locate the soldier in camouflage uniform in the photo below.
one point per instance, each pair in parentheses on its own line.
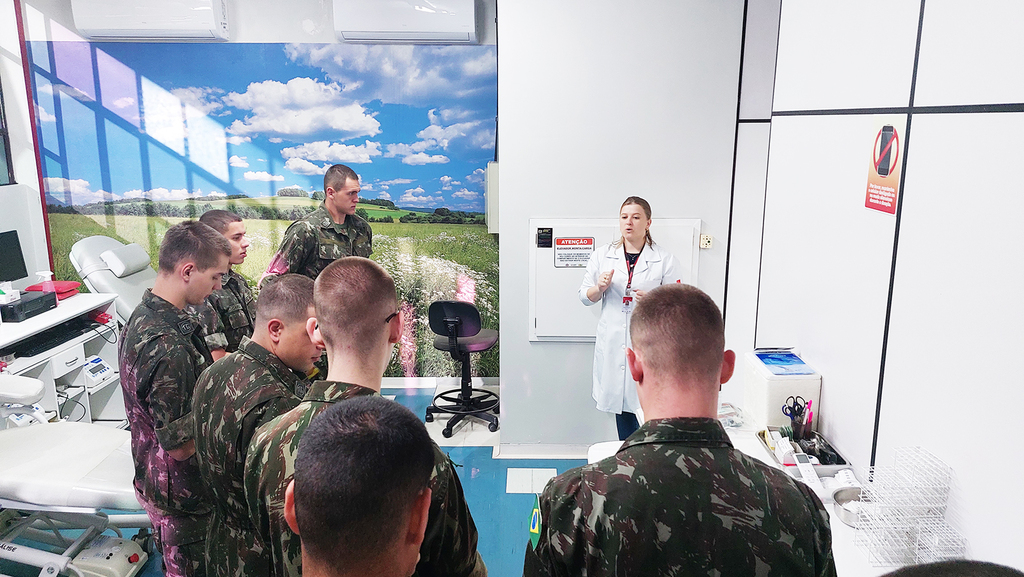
(237,394)
(677,498)
(356,308)
(355,520)
(161,354)
(328,233)
(228,313)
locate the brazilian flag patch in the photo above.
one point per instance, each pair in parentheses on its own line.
(535,525)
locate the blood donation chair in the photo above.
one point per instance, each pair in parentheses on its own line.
(458,329)
(59,484)
(108,266)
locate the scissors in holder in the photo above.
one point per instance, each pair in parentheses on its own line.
(794,407)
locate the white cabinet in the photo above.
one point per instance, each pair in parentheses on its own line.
(68,389)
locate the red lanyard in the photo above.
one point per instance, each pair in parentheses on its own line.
(630,265)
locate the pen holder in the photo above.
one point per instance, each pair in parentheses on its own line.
(801,430)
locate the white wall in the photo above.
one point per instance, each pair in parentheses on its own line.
(22,207)
(954,332)
(596,104)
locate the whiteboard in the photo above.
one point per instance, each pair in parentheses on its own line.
(559,315)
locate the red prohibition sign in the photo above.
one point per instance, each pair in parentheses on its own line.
(896,154)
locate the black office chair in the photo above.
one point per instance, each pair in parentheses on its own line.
(457,326)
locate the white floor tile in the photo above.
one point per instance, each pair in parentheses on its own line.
(519,480)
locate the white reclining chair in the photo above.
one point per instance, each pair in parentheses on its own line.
(107,266)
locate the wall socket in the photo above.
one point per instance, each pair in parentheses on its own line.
(705,241)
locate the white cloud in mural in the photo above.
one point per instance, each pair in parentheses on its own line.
(396,181)
(263,176)
(446,182)
(383,195)
(421,158)
(417,197)
(236,140)
(483,139)
(124,102)
(467,194)
(402,74)
(483,64)
(238,161)
(325,151)
(163,194)
(477,176)
(205,100)
(302,107)
(44,116)
(300,166)
(450,114)
(78,189)
(434,136)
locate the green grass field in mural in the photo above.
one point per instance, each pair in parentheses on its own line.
(428,262)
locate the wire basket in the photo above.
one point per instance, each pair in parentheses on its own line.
(900,521)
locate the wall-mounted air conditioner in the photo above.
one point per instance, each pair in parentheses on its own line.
(151,19)
(406,21)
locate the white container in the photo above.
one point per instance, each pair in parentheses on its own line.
(767,386)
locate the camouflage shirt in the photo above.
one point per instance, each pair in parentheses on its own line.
(315,241)
(677,499)
(161,354)
(228,313)
(449,546)
(233,398)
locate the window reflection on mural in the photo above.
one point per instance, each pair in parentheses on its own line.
(136,137)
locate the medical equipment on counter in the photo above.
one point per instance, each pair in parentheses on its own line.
(96,371)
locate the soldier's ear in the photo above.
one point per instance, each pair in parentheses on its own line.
(289,508)
(275,327)
(728,366)
(313,330)
(636,365)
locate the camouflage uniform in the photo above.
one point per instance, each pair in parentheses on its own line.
(161,354)
(677,499)
(315,241)
(233,398)
(449,546)
(228,314)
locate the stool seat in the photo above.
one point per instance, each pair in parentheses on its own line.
(479,343)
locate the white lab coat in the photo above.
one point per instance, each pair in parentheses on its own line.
(614,387)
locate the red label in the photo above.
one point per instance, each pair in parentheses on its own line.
(574,242)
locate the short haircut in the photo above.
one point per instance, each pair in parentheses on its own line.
(337,175)
(287,298)
(957,568)
(680,332)
(195,242)
(219,219)
(353,296)
(359,468)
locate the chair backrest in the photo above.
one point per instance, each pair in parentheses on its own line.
(464,316)
(98,277)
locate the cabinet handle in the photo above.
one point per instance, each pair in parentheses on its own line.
(71,363)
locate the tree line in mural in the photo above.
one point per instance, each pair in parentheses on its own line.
(261,209)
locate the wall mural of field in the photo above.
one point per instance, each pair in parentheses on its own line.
(137,137)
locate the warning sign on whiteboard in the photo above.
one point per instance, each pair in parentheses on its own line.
(573,252)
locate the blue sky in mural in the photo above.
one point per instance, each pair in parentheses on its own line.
(168,121)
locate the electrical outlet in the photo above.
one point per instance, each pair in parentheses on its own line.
(705,241)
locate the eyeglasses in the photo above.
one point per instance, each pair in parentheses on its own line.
(390,316)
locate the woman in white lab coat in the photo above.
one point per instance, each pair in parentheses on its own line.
(617,275)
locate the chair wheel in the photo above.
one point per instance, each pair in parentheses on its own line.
(447,433)
(429,417)
(492,427)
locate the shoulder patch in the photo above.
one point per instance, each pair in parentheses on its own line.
(535,523)
(186,327)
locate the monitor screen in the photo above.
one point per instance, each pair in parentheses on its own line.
(12,263)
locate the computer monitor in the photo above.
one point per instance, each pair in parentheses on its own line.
(12,261)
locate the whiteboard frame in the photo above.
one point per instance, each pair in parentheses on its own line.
(659,224)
